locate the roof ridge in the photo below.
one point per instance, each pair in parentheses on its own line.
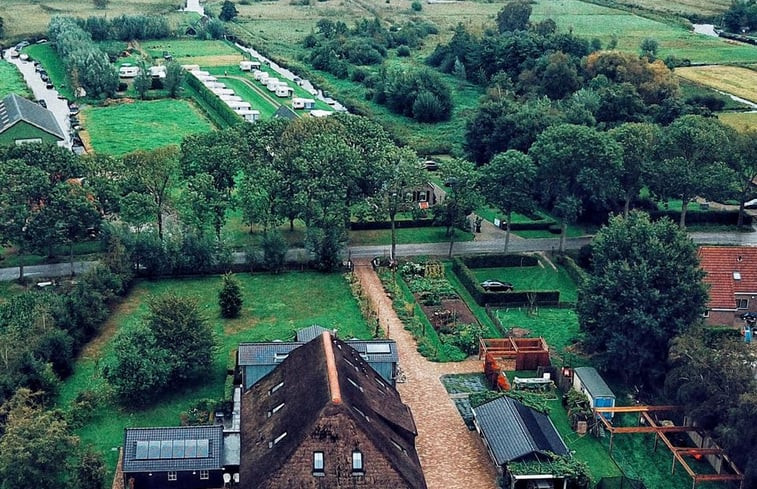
(328,350)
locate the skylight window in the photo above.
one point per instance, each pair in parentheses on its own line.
(275,410)
(276,387)
(355,384)
(737,275)
(277,439)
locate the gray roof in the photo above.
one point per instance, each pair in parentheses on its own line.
(593,382)
(515,432)
(173,454)
(231,449)
(310,333)
(373,351)
(284,112)
(14,108)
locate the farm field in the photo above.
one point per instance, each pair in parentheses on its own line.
(532,278)
(741,121)
(741,82)
(23,18)
(189,51)
(11,81)
(682,7)
(274,307)
(149,125)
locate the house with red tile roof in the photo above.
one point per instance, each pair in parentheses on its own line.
(732,280)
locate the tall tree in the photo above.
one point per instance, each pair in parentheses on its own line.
(514,16)
(230,297)
(153,173)
(181,329)
(36,445)
(174,78)
(645,288)
(203,205)
(638,142)
(744,164)
(228,11)
(577,166)
(508,182)
(143,80)
(462,198)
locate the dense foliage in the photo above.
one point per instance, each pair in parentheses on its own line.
(126,27)
(741,16)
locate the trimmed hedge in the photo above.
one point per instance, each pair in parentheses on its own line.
(694,216)
(212,100)
(531,225)
(516,298)
(576,273)
(372,225)
(499,261)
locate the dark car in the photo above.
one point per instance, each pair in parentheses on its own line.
(750,317)
(496,286)
(49,85)
(42,103)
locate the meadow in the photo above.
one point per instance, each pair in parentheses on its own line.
(146,125)
(741,121)
(11,81)
(741,82)
(682,7)
(274,307)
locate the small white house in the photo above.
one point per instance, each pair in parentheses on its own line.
(249,115)
(284,91)
(128,71)
(158,71)
(303,103)
(249,65)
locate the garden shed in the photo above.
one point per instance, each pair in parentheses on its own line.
(588,381)
(23,121)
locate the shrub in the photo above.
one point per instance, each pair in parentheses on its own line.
(416,6)
(403,51)
(230,297)
(274,251)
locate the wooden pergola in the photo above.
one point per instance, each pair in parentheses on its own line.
(528,353)
(647,424)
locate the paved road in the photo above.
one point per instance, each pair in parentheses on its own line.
(429,249)
(59,107)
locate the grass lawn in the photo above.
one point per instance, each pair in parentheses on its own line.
(8,290)
(559,327)
(84,250)
(590,21)
(238,236)
(741,82)
(741,121)
(406,236)
(196,52)
(11,81)
(274,307)
(48,58)
(253,95)
(532,278)
(125,127)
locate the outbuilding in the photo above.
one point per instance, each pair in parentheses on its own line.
(588,381)
(22,121)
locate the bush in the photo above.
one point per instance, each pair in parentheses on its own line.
(274,251)
(499,261)
(416,6)
(230,297)
(403,51)
(727,218)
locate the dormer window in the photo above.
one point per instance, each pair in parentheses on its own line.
(357,462)
(280,357)
(275,388)
(277,439)
(275,410)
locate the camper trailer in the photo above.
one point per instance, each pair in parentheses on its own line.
(249,65)
(158,71)
(303,103)
(237,105)
(270,81)
(257,74)
(249,115)
(199,73)
(223,91)
(128,71)
(214,84)
(283,91)
(230,98)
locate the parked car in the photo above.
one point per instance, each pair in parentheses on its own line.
(73,109)
(42,103)
(430,165)
(49,85)
(496,286)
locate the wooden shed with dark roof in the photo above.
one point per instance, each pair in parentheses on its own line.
(731,274)
(23,121)
(324,418)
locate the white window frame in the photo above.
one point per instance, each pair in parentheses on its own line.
(172,476)
(739,301)
(20,142)
(358,464)
(275,388)
(204,475)
(319,464)
(706,314)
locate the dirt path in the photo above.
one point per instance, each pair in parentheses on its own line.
(452,456)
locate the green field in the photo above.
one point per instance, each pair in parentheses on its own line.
(24,18)
(590,21)
(532,278)
(11,81)
(189,51)
(741,121)
(252,94)
(125,127)
(682,7)
(274,307)
(558,327)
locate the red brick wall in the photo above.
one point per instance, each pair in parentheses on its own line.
(723,318)
(336,436)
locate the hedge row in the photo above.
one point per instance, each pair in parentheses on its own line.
(576,273)
(516,298)
(372,225)
(212,100)
(729,218)
(544,224)
(499,261)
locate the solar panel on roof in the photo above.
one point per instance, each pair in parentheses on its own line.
(141,452)
(190,449)
(203,448)
(154,449)
(166,449)
(178,449)
(377,348)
